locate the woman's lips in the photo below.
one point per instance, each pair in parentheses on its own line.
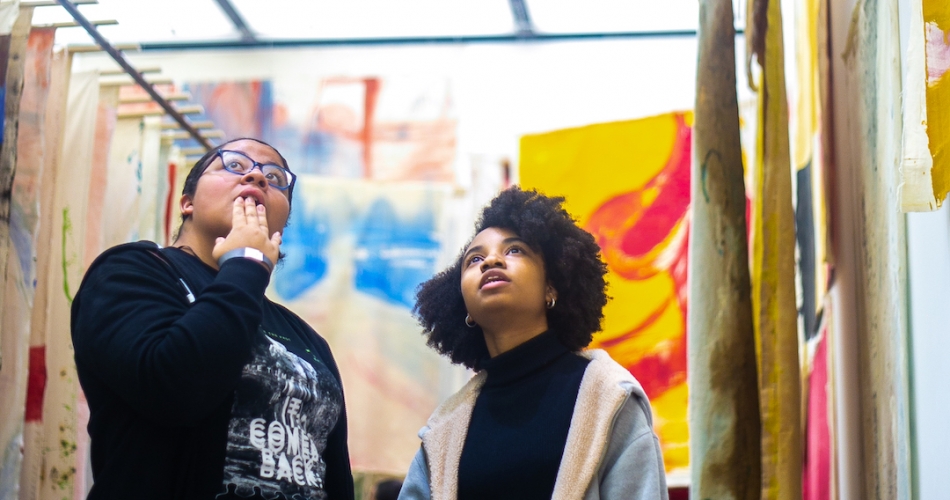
(493,279)
(254,194)
(491,285)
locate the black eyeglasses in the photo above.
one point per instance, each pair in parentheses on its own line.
(239,163)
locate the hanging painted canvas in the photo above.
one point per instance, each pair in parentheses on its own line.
(356,251)
(925,166)
(627,183)
(365,127)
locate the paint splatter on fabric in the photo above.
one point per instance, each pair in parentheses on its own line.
(628,184)
(371,128)
(355,252)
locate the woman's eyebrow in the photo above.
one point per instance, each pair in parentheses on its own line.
(471,250)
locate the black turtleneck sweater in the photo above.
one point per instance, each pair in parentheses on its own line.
(520,421)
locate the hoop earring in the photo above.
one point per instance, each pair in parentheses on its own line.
(469,322)
(551,304)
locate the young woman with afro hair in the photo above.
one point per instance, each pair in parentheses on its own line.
(543,417)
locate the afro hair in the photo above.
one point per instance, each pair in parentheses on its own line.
(572,265)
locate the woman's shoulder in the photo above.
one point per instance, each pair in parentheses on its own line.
(139,256)
(457,405)
(603,370)
(605,380)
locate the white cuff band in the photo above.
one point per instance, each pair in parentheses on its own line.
(247,253)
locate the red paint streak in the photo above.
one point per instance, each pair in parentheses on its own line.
(39,52)
(681,493)
(36,384)
(631,229)
(235,106)
(644,233)
(369,111)
(169,202)
(817,470)
(662,371)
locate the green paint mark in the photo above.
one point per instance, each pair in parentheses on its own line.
(62,480)
(67,230)
(67,447)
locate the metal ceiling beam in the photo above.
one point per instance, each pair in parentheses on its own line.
(53,3)
(519,10)
(120,59)
(247,35)
(450,40)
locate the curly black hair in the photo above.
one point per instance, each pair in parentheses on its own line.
(572,264)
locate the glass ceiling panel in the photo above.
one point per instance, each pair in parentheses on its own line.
(611,16)
(145,21)
(607,16)
(321,19)
(181,21)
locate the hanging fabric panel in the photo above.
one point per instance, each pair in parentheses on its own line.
(725,437)
(356,252)
(63,464)
(151,182)
(773,271)
(30,187)
(16,259)
(925,165)
(51,128)
(639,217)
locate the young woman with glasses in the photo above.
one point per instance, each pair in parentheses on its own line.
(198,385)
(542,418)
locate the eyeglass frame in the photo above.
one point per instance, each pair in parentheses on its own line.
(258,165)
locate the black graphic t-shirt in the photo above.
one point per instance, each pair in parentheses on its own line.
(283,412)
(229,397)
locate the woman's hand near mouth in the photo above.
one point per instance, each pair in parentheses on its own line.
(249,229)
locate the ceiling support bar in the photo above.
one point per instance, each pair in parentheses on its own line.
(523,26)
(449,40)
(120,59)
(246,34)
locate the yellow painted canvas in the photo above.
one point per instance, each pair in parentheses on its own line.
(925,162)
(937,49)
(627,183)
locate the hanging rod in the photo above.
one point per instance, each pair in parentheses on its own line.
(54,3)
(179,96)
(204,124)
(120,59)
(122,81)
(76,48)
(188,109)
(117,72)
(73,24)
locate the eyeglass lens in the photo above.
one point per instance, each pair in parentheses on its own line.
(238,163)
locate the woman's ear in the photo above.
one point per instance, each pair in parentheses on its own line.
(186,205)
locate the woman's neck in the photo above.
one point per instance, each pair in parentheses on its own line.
(507,336)
(199,247)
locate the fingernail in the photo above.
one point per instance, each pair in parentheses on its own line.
(260,208)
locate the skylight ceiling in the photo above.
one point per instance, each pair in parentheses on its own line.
(612,16)
(205,21)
